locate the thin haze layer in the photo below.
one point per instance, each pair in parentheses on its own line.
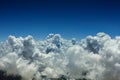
(95,57)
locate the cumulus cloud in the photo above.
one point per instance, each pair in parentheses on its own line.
(95,57)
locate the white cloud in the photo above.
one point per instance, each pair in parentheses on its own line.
(95,57)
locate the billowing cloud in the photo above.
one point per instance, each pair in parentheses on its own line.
(95,57)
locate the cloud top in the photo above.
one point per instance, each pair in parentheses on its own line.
(95,57)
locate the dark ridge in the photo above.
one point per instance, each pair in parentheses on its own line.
(3,76)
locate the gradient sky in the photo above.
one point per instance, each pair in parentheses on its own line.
(70,18)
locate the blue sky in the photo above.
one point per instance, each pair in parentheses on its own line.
(70,18)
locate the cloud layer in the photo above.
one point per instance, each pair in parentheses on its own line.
(95,57)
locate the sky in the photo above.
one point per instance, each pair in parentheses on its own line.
(70,18)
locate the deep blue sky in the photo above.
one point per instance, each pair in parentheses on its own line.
(70,18)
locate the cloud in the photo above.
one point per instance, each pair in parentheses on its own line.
(95,57)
